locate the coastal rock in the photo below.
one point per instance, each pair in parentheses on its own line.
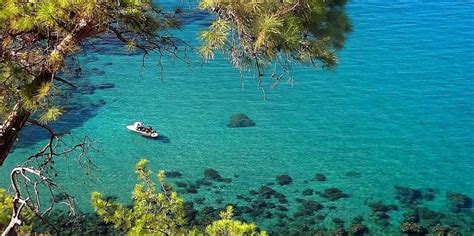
(284,179)
(240,121)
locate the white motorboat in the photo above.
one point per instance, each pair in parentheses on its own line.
(140,128)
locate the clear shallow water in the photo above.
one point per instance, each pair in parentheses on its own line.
(398,110)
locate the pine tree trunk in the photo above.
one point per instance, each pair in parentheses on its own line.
(10,129)
(18,116)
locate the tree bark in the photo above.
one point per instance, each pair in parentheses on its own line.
(19,115)
(10,129)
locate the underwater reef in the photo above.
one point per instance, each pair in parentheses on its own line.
(240,121)
(314,211)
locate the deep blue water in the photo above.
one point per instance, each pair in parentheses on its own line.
(397,111)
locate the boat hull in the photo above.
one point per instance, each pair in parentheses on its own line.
(150,135)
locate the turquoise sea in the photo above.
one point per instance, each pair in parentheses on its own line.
(397,111)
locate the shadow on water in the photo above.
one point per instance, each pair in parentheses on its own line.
(75,103)
(77,110)
(75,116)
(163,139)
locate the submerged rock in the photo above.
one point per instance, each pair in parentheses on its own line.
(458,201)
(284,179)
(333,194)
(433,217)
(319,177)
(267,192)
(411,228)
(208,210)
(357,228)
(411,216)
(105,86)
(97,71)
(253,192)
(173,174)
(213,175)
(191,189)
(308,192)
(408,196)
(339,231)
(246,209)
(353,174)
(338,221)
(429,194)
(281,198)
(439,230)
(308,207)
(240,121)
(281,208)
(181,184)
(199,200)
(204,182)
(379,211)
(379,206)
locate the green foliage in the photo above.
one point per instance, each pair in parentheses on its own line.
(216,37)
(261,32)
(152,212)
(6,206)
(51,114)
(38,35)
(253,33)
(227,226)
(161,212)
